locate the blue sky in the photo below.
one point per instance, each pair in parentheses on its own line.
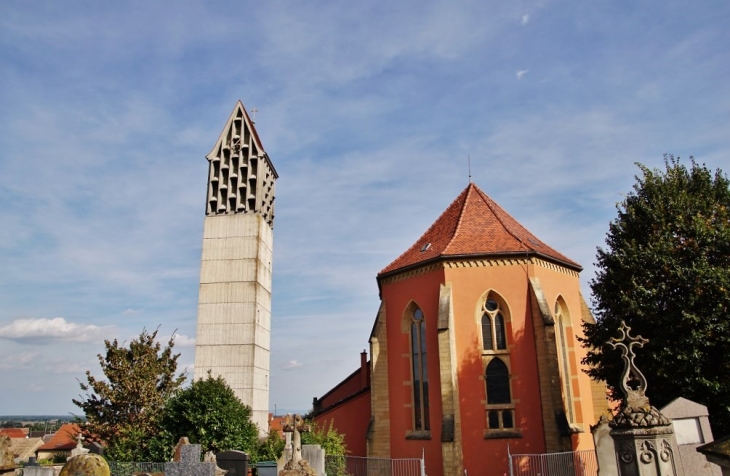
(368,110)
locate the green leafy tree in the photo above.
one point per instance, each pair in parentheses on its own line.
(666,272)
(124,411)
(271,448)
(210,414)
(331,441)
(333,444)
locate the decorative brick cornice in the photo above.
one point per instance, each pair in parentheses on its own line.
(475,263)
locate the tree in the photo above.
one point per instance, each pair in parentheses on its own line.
(124,410)
(666,272)
(210,414)
(333,444)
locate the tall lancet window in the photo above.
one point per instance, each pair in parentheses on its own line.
(493,316)
(562,320)
(420,371)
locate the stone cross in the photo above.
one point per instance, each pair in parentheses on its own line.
(295,424)
(635,397)
(642,435)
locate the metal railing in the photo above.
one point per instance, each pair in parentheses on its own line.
(361,466)
(119,468)
(572,463)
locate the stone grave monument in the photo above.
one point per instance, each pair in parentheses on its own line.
(234,462)
(691,429)
(85,465)
(296,466)
(642,436)
(187,461)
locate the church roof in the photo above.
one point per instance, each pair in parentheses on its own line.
(474,225)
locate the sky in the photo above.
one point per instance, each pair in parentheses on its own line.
(370,112)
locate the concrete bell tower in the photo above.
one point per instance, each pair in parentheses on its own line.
(234,301)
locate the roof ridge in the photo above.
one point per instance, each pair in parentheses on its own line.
(468,190)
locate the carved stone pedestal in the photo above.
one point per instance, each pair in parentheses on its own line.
(643,442)
(642,436)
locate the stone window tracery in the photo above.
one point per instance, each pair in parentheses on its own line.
(499,404)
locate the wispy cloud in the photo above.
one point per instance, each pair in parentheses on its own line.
(525,19)
(43,330)
(292,365)
(19,361)
(521,73)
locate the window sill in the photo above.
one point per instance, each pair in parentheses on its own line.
(418,435)
(497,434)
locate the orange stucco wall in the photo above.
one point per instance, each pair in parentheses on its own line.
(424,291)
(469,287)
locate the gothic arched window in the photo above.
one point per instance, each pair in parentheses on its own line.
(420,371)
(493,330)
(493,315)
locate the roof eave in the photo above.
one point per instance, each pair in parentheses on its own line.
(508,254)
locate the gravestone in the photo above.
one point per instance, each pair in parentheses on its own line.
(36,470)
(96,448)
(314,454)
(79,450)
(235,462)
(605,449)
(189,463)
(691,429)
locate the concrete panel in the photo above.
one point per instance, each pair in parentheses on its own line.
(230,248)
(226,226)
(228,292)
(228,271)
(226,334)
(231,313)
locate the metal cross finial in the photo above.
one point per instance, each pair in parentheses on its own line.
(635,397)
(253,114)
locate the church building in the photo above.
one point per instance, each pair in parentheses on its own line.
(473,350)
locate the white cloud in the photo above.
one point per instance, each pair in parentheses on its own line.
(521,73)
(131,312)
(21,360)
(292,365)
(525,19)
(41,329)
(181,340)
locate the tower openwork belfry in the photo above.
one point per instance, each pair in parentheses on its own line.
(234,301)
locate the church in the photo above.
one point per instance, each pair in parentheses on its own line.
(473,351)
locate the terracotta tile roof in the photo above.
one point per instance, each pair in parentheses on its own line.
(14,432)
(63,439)
(23,448)
(474,225)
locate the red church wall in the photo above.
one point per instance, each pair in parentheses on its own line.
(347,407)
(555,284)
(470,286)
(424,291)
(351,418)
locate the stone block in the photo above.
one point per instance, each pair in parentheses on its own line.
(189,464)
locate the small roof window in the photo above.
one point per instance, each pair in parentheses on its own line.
(425,247)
